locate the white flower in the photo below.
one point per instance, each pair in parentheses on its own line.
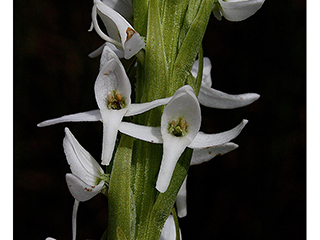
(180,124)
(120,32)
(169,230)
(87,178)
(236,10)
(210,97)
(112,92)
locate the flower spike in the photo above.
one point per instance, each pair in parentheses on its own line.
(210,97)
(120,32)
(236,10)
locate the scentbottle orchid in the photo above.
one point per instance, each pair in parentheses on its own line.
(153,113)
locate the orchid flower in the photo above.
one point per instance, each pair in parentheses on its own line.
(180,124)
(210,97)
(112,92)
(169,230)
(87,178)
(120,32)
(236,10)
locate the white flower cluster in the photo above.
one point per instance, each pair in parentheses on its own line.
(180,121)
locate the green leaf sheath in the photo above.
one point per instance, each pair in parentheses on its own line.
(119,195)
(190,46)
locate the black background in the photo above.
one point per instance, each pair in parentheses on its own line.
(256,192)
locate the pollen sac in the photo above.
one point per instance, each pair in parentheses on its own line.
(115,100)
(178,127)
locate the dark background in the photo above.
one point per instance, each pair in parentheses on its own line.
(256,192)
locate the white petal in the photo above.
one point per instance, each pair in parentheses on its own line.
(124,7)
(80,190)
(201,155)
(181,200)
(206,73)
(111,120)
(184,104)
(145,133)
(169,230)
(238,10)
(111,77)
(90,116)
(50,238)
(98,51)
(173,147)
(210,97)
(109,52)
(74,219)
(216,10)
(82,164)
(137,108)
(131,40)
(203,140)
(114,39)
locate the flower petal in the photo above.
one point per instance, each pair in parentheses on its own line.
(112,77)
(181,200)
(184,105)
(124,7)
(201,155)
(113,96)
(172,150)
(169,230)
(90,116)
(137,108)
(80,190)
(98,51)
(210,97)
(82,164)
(131,41)
(206,73)
(238,10)
(111,120)
(145,133)
(203,140)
